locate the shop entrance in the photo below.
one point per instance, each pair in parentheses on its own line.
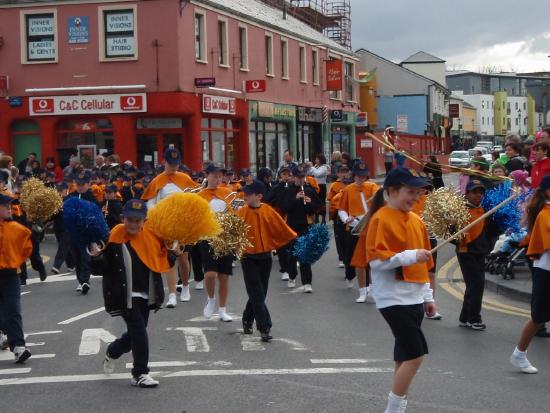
(25,135)
(309,141)
(340,140)
(152,143)
(218,137)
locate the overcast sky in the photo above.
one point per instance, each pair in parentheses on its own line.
(468,34)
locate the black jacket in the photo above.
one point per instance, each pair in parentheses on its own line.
(87,196)
(114,209)
(274,195)
(297,212)
(117,282)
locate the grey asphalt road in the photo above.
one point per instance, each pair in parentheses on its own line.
(330,354)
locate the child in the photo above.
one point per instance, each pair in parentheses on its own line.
(333,198)
(498,170)
(112,207)
(132,285)
(397,251)
(64,250)
(538,225)
(16,247)
(268,231)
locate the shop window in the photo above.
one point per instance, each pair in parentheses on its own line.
(118,33)
(302,59)
(269,55)
(268,141)
(200,37)
(25,138)
(218,140)
(284,59)
(223,46)
(315,66)
(340,140)
(243,48)
(349,75)
(39,37)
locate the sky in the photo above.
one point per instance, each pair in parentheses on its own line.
(468,34)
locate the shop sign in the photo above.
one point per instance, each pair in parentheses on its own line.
(366,143)
(454,110)
(205,81)
(15,101)
(402,123)
(78,30)
(336,116)
(362,120)
(120,46)
(159,123)
(334,74)
(44,49)
(219,104)
(87,104)
(41,26)
(255,86)
(310,115)
(273,110)
(120,22)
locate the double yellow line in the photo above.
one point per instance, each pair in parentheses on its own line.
(444,281)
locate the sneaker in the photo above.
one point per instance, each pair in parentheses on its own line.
(185,295)
(465,325)
(71,269)
(284,276)
(55,270)
(308,289)
(247,328)
(291,284)
(226,318)
(3,341)
(209,307)
(21,354)
(349,284)
(341,264)
(79,288)
(108,364)
(362,295)
(199,285)
(478,326)
(43,275)
(520,361)
(172,301)
(370,297)
(266,336)
(85,288)
(144,381)
(436,316)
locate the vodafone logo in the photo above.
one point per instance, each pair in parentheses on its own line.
(254,86)
(43,105)
(131,103)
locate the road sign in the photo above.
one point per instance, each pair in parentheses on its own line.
(205,81)
(255,86)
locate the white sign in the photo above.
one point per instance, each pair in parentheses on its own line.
(219,104)
(40,26)
(402,123)
(42,50)
(87,104)
(120,46)
(366,143)
(119,22)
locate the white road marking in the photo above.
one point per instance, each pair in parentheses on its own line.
(56,278)
(4,356)
(90,343)
(25,292)
(346,361)
(41,333)
(183,364)
(215,317)
(38,344)
(73,378)
(15,371)
(81,316)
(195,339)
(295,345)
(251,343)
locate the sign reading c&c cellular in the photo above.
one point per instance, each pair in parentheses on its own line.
(87,104)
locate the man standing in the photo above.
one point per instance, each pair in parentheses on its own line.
(288,161)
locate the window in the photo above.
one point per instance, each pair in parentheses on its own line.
(223,53)
(269,55)
(302,60)
(482,104)
(348,78)
(516,105)
(284,58)
(315,66)
(39,37)
(524,105)
(243,48)
(200,38)
(118,34)
(483,120)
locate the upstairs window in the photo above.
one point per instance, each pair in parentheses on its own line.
(315,66)
(284,58)
(223,52)
(243,48)
(39,37)
(119,34)
(269,55)
(200,38)
(302,60)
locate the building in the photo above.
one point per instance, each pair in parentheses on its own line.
(236,82)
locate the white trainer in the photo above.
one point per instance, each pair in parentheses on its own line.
(349,284)
(209,307)
(519,360)
(284,276)
(362,295)
(185,294)
(21,354)
(144,381)
(108,364)
(291,284)
(199,285)
(370,297)
(308,289)
(172,301)
(341,264)
(224,316)
(3,341)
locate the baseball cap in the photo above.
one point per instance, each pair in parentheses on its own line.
(214,167)
(82,178)
(62,186)
(135,208)
(244,172)
(474,184)
(299,170)
(172,156)
(5,199)
(405,176)
(545,183)
(111,188)
(360,169)
(343,168)
(256,187)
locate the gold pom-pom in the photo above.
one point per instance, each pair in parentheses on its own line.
(38,201)
(445,212)
(233,238)
(186,218)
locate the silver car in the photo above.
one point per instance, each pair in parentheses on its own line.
(459,158)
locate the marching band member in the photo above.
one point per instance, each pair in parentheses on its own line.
(112,207)
(333,198)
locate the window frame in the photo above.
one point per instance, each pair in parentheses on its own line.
(243,59)
(103,35)
(334,94)
(315,66)
(24,44)
(348,83)
(302,62)
(285,73)
(268,53)
(202,41)
(223,43)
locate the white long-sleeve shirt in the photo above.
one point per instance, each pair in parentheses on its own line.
(320,173)
(388,291)
(543,262)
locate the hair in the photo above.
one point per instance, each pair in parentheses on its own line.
(289,152)
(481,162)
(5,161)
(322,158)
(535,205)
(433,159)
(33,154)
(50,159)
(498,166)
(336,156)
(512,138)
(541,146)
(495,155)
(346,158)
(546,129)
(516,147)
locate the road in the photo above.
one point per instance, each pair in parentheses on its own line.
(329,354)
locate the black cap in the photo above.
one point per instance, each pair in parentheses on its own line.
(360,169)
(5,199)
(111,188)
(256,187)
(405,176)
(474,184)
(62,186)
(299,170)
(545,183)
(284,168)
(172,156)
(82,178)
(214,167)
(135,208)
(244,172)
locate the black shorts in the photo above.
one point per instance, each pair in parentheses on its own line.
(405,322)
(223,265)
(433,244)
(187,248)
(540,304)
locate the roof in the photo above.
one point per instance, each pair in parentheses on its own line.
(268,16)
(542,75)
(468,105)
(422,57)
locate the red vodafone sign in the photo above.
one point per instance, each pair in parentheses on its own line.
(219,104)
(254,86)
(87,104)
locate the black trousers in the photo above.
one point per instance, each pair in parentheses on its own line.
(323,210)
(305,269)
(196,262)
(63,254)
(339,234)
(256,280)
(135,339)
(388,166)
(350,242)
(473,271)
(282,255)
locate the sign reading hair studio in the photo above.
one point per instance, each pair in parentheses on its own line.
(87,104)
(219,104)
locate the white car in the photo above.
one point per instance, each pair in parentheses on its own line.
(485,144)
(459,158)
(484,153)
(498,148)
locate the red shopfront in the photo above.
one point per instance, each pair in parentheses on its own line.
(137,127)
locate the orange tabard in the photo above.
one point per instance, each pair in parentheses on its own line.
(180,179)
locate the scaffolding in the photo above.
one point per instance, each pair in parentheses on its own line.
(331,17)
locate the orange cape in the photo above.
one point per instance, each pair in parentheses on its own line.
(267,230)
(313,182)
(419,205)
(181,180)
(147,246)
(15,245)
(391,231)
(219,192)
(539,240)
(474,232)
(351,198)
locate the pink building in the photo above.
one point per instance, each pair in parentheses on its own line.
(236,82)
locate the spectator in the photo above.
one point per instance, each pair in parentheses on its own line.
(515,161)
(25,165)
(320,172)
(346,160)
(433,168)
(541,166)
(288,160)
(335,163)
(100,164)
(55,169)
(388,160)
(71,168)
(498,169)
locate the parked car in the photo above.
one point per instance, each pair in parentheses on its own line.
(485,144)
(459,158)
(484,153)
(498,148)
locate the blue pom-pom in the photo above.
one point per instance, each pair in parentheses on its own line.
(311,246)
(509,216)
(84,221)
